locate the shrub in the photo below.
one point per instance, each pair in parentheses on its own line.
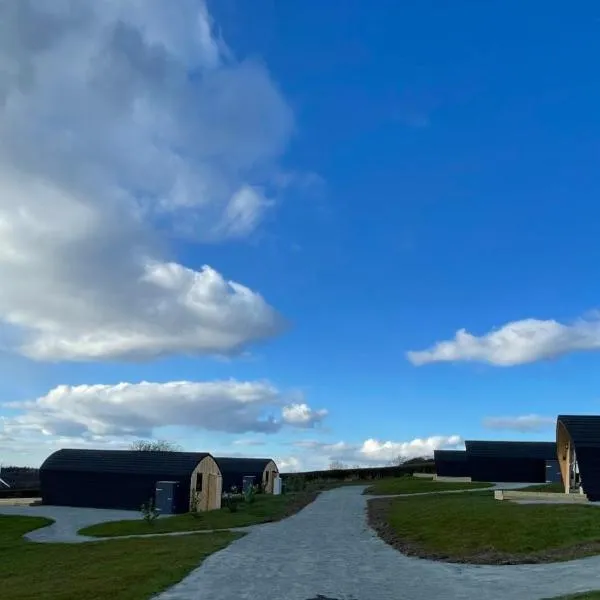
(194,506)
(232,499)
(149,512)
(296,483)
(250,493)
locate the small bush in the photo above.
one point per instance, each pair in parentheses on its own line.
(232,499)
(149,512)
(195,506)
(250,494)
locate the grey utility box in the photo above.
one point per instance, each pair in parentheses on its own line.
(164,497)
(553,474)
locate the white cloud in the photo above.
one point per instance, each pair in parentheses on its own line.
(137,409)
(371,452)
(524,423)
(289,464)
(119,120)
(248,442)
(515,343)
(302,415)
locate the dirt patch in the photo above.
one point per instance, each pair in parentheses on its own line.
(378,510)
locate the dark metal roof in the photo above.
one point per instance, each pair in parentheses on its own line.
(585,434)
(540,450)
(177,464)
(244,466)
(583,429)
(451,455)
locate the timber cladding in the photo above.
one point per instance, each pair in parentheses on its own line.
(206,485)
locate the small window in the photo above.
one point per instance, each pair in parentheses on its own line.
(199,482)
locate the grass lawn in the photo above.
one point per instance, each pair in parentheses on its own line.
(415,485)
(265,508)
(584,596)
(476,528)
(120,570)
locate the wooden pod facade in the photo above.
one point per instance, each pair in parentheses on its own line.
(233,470)
(578,449)
(126,479)
(206,486)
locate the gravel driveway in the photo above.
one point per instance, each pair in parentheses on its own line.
(67,521)
(327,549)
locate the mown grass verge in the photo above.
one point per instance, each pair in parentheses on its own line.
(584,596)
(475,528)
(416,485)
(120,570)
(264,509)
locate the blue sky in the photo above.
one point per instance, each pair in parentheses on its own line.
(378,178)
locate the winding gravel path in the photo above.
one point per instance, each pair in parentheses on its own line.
(67,521)
(327,549)
(328,552)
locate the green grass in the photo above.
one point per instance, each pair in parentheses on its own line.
(265,508)
(416,485)
(585,596)
(120,570)
(554,488)
(467,526)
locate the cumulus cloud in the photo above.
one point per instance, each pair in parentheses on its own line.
(302,415)
(137,409)
(515,343)
(372,452)
(524,423)
(120,120)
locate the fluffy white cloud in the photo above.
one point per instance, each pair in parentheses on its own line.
(371,452)
(515,343)
(302,415)
(137,409)
(523,423)
(119,120)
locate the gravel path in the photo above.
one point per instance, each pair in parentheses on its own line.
(327,549)
(328,552)
(68,521)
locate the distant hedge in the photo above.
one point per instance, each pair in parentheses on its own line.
(363,473)
(20,478)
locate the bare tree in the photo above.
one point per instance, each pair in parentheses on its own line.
(155,445)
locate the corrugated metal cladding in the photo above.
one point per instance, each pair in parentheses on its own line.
(584,431)
(233,470)
(123,479)
(451,463)
(515,462)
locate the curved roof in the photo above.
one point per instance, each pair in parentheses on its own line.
(176,464)
(246,466)
(484,448)
(454,455)
(583,429)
